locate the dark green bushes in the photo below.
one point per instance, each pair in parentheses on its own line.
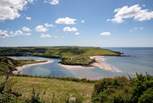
(77,60)
(121,90)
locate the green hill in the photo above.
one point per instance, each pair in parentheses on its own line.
(68,55)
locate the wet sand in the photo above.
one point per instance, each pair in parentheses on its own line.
(100,63)
(20,68)
(75,67)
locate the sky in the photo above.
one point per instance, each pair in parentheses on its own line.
(103,23)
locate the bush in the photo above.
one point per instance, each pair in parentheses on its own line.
(121,90)
(147,96)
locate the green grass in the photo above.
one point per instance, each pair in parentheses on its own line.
(49,87)
(77,55)
(68,55)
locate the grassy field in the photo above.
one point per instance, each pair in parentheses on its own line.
(108,90)
(50,89)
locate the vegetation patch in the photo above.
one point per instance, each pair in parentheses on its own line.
(122,90)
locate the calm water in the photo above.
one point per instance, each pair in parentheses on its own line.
(136,60)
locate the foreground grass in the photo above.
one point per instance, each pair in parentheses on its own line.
(52,89)
(138,89)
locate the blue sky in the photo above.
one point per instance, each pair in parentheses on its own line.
(104,23)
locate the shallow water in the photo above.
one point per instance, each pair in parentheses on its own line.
(137,60)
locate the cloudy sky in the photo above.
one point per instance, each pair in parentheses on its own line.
(104,23)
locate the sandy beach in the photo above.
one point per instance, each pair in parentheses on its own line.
(75,67)
(100,63)
(20,68)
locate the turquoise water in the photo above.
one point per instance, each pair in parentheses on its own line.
(138,60)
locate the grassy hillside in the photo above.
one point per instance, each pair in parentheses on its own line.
(15,63)
(62,51)
(68,55)
(51,89)
(107,90)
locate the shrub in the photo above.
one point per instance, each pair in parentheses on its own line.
(147,96)
(121,90)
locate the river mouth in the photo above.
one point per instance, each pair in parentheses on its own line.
(139,61)
(54,69)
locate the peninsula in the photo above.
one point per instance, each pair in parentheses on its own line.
(69,55)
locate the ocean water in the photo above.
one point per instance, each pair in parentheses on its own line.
(135,60)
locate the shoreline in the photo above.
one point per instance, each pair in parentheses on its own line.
(100,63)
(75,67)
(20,68)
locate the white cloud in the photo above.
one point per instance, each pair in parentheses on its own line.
(10,9)
(30,1)
(41,29)
(53,2)
(132,12)
(16,33)
(4,34)
(45,36)
(105,33)
(70,29)
(66,21)
(26,29)
(48,25)
(77,33)
(28,18)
